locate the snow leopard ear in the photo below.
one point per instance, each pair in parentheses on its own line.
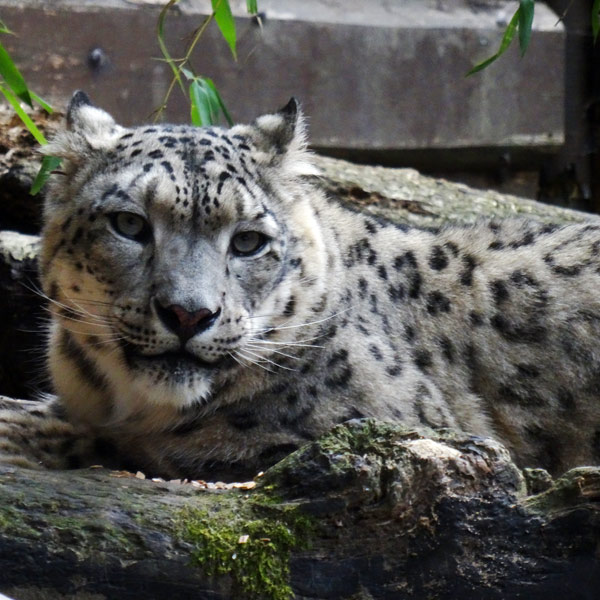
(280,140)
(88,128)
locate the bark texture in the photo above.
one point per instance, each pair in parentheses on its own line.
(370,511)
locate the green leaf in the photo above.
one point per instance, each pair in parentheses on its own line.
(49,164)
(526,10)
(31,126)
(160,34)
(41,102)
(596,19)
(226,23)
(251,7)
(13,78)
(188,74)
(4,28)
(200,111)
(206,103)
(218,98)
(507,38)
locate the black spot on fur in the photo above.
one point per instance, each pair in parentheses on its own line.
(423,359)
(526,240)
(452,247)
(339,379)
(394,370)
(528,371)
(375,352)
(370,226)
(382,272)
(362,288)
(476,318)
(396,292)
(290,307)
(567,271)
(522,397)
(447,349)
(469,264)
(437,303)
(438,260)
(499,291)
(339,355)
(528,333)
(398,263)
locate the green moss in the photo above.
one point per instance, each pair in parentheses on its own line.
(12,522)
(575,488)
(259,563)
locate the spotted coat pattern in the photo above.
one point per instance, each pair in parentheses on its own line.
(213,311)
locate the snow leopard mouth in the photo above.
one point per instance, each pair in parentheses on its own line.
(172,362)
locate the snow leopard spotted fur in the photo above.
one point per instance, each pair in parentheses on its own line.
(213,311)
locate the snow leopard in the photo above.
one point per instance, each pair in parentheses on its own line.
(213,310)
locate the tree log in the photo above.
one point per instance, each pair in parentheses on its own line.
(370,511)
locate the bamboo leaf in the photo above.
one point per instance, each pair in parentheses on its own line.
(213,102)
(226,23)
(526,10)
(220,101)
(160,34)
(251,7)
(596,19)
(507,38)
(4,28)
(199,105)
(31,126)
(49,164)
(41,102)
(13,78)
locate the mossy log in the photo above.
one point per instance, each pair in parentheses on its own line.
(371,511)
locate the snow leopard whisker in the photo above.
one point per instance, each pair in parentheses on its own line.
(265,359)
(85,321)
(82,318)
(296,344)
(239,360)
(78,310)
(252,362)
(110,335)
(281,327)
(258,347)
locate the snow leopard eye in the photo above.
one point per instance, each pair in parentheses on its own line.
(131,226)
(246,243)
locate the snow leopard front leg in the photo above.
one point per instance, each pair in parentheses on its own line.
(37,434)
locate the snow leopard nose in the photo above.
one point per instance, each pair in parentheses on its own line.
(183,323)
